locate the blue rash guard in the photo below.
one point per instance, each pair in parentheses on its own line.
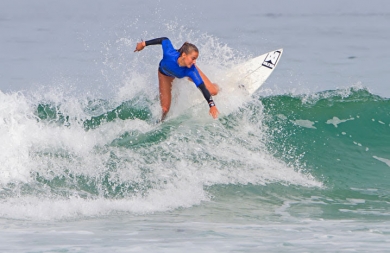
(170,67)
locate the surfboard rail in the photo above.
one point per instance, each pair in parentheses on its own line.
(256,71)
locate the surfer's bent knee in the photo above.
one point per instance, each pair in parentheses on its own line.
(165,109)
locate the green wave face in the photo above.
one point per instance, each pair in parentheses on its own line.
(343,138)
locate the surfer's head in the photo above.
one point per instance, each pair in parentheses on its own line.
(188,54)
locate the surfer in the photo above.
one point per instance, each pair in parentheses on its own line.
(178,64)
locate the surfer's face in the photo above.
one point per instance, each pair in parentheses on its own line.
(190,59)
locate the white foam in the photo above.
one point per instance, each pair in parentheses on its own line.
(177,180)
(41,208)
(387,161)
(356,201)
(336,121)
(281,116)
(304,123)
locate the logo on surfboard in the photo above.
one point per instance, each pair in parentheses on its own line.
(271,59)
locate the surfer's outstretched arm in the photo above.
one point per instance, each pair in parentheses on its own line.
(141,45)
(212,87)
(213,109)
(206,87)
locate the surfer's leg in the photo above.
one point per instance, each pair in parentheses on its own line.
(213,88)
(165,87)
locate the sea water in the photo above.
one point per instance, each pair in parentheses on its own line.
(301,166)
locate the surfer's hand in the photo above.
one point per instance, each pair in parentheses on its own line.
(140,45)
(214,112)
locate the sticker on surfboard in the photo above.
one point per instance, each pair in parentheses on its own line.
(271,59)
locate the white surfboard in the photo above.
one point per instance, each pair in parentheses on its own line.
(253,73)
(237,85)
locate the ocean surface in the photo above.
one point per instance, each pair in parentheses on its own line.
(303,165)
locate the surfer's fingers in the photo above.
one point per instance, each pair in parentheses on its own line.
(214,112)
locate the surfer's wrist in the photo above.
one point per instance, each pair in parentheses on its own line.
(211,103)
